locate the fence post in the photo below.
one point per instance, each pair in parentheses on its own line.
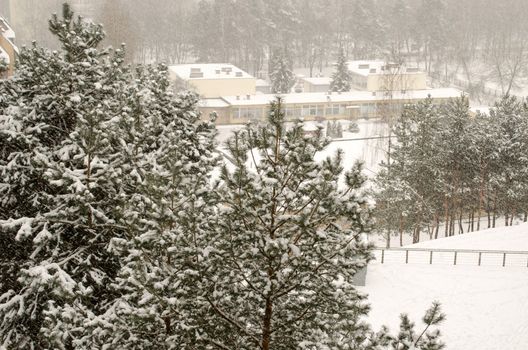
(382,255)
(504,260)
(455,259)
(480,258)
(406,256)
(431,257)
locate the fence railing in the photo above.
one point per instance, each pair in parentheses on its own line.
(452,257)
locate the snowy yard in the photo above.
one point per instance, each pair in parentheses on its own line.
(486,306)
(354,145)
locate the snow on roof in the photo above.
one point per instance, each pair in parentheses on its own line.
(262,82)
(366,68)
(318,80)
(350,97)
(213,103)
(7,32)
(6,29)
(209,71)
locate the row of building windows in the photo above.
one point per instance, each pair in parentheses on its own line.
(292,112)
(315,110)
(248,113)
(320,110)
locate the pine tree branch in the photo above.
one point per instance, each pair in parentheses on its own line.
(216,343)
(315,269)
(75,224)
(223,315)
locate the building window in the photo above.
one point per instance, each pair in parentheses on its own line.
(335,109)
(247,113)
(367,109)
(293,112)
(305,111)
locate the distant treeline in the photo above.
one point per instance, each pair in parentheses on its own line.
(446,37)
(451,172)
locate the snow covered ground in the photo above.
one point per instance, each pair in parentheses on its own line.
(486,306)
(503,238)
(370,151)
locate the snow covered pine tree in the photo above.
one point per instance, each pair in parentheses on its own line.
(281,73)
(287,243)
(341,77)
(159,281)
(52,136)
(89,156)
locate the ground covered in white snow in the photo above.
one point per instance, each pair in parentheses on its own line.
(362,146)
(503,238)
(486,306)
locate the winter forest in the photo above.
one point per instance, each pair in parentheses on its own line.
(144,208)
(479,45)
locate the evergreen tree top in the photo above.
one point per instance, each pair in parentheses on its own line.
(341,77)
(77,36)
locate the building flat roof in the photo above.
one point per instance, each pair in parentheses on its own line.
(200,71)
(318,80)
(366,68)
(213,103)
(350,97)
(262,82)
(6,29)
(7,32)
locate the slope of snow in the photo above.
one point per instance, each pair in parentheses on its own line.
(514,238)
(486,306)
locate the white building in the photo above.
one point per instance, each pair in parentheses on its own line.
(382,76)
(240,109)
(317,84)
(238,97)
(214,80)
(8,49)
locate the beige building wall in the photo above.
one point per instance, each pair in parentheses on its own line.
(7,47)
(215,88)
(397,82)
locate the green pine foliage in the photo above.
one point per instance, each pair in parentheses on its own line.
(287,244)
(281,73)
(407,339)
(451,172)
(341,77)
(58,197)
(97,163)
(3,67)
